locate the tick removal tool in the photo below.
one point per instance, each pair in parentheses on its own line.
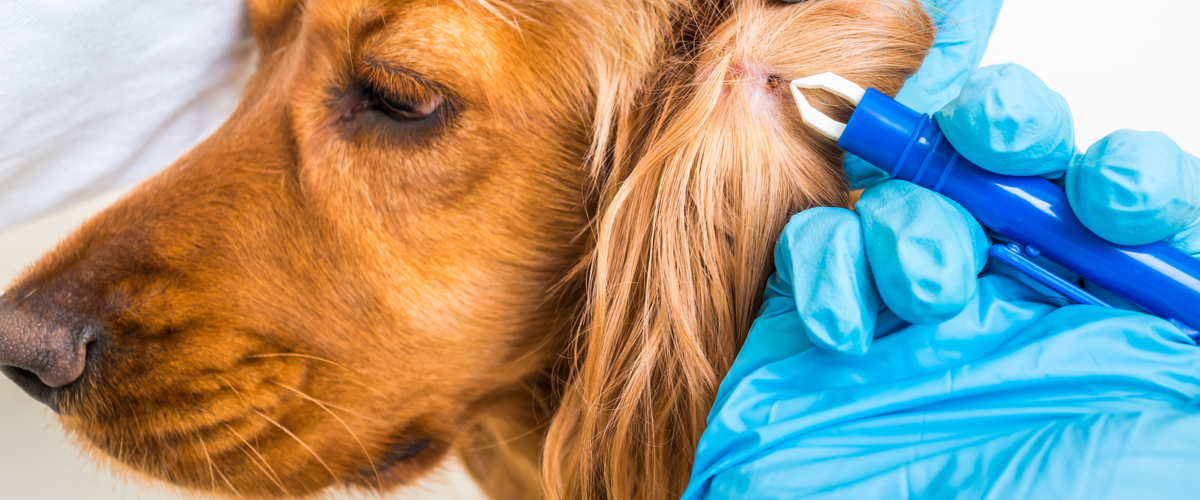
(1031,211)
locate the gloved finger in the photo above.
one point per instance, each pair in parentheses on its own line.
(924,249)
(1134,188)
(820,256)
(1007,121)
(963,29)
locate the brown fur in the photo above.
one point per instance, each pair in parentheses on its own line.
(548,279)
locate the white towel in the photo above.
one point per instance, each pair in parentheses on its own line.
(98,94)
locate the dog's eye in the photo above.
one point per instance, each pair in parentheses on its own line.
(400,95)
(408,109)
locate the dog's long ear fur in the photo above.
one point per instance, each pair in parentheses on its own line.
(689,214)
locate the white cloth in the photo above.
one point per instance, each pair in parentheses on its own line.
(98,94)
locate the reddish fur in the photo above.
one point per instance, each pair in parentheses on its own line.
(309,291)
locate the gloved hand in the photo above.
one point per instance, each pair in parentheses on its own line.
(998,391)
(1014,398)
(974,389)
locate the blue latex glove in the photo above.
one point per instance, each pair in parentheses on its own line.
(1015,396)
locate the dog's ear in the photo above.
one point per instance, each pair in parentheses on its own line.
(687,229)
(269,20)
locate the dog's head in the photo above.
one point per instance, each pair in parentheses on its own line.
(449,226)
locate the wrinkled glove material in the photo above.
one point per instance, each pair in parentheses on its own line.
(1013,398)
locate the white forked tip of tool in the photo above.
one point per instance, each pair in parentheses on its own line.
(831,83)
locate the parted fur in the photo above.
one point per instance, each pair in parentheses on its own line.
(544,263)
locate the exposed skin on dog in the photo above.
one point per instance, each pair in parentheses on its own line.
(387,254)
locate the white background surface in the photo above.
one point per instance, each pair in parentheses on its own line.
(1119,64)
(125,84)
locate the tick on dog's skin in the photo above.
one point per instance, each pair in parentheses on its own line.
(529,235)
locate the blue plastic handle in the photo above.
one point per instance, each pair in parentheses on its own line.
(1029,210)
(1014,255)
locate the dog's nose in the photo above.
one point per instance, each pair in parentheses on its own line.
(39,354)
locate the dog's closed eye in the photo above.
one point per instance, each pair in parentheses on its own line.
(399,95)
(392,104)
(407,108)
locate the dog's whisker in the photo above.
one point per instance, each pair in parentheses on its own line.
(349,46)
(252,448)
(323,360)
(217,468)
(513,439)
(334,406)
(212,476)
(270,475)
(378,481)
(273,479)
(244,401)
(301,441)
(234,389)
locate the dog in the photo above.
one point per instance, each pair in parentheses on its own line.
(529,234)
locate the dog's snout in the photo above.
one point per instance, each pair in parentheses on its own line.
(37,353)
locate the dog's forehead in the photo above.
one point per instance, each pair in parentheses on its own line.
(423,22)
(501,56)
(413,25)
(430,37)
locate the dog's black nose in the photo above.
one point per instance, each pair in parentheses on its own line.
(39,354)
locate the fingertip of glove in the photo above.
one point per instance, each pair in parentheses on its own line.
(1008,121)
(825,262)
(832,229)
(1134,188)
(854,342)
(931,305)
(857,349)
(946,290)
(925,250)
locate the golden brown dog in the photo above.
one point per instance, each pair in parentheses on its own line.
(533,234)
